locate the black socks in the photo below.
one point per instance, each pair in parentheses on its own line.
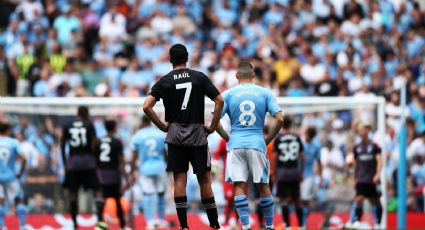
(211,210)
(181,207)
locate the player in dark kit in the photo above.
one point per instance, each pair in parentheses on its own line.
(80,162)
(183,92)
(110,169)
(289,160)
(367,162)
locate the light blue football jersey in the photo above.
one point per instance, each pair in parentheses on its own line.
(247,106)
(9,151)
(149,144)
(311,154)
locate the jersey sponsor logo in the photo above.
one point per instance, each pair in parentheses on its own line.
(181,76)
(366,157)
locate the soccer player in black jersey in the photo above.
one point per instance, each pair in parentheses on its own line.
(366,159)
(110,169)
(289,161)
(80,162)
(183,92)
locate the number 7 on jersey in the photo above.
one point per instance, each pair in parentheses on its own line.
(188,87)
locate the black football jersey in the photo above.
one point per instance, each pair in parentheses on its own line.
(80,136)
(288,147)
(365,155)
(183,92)
(108,150)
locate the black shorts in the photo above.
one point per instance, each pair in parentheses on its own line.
(288,189)
(86,179)
(367,190)
(111,191)
(179,158)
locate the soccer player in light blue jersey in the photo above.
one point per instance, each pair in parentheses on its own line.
(247,105)
(10,189)
(311,155)
(149,148)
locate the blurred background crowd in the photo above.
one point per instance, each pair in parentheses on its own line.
(360,48)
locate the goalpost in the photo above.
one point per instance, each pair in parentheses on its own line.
(39,108)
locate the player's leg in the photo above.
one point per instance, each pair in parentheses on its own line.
(307,194)
(180,198)
(258,209)
(178,163)
(72,183)
(356,211)
(161,187)
(100,196)
(21,208)
(89,180)
(241,204)
(258,163)
(283,194)
(201,162)
(116,194)
(149,199)
(2,206)
(373,196)
(295,195)
(237,172)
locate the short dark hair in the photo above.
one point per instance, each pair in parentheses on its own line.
(4,127)
(110,125)
(146,121)
(245,69)
(287,122)
(83,112)
(178,54)
(311,131)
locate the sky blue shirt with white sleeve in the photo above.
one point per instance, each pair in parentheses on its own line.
(247,106)
(149,144)
(9,151)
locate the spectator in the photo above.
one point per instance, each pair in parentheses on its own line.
(417,147)
(30,8)
(286,67)
(66,23)
(313,72)
(113,25)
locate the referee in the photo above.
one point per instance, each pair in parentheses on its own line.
(183,92)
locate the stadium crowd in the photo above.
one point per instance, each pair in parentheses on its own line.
(299,47)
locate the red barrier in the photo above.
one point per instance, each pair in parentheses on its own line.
(200,221)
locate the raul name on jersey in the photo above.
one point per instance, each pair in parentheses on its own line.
(181,76)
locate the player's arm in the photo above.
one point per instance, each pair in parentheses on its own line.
(275,127)
(218,108)
(63,143)
(302,163)
(378,168)
(220,130)
(351,161)
(121,162)
(150,102)
(23,161)
(134,162)
(319,164)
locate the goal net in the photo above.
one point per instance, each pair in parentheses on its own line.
(38,121)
